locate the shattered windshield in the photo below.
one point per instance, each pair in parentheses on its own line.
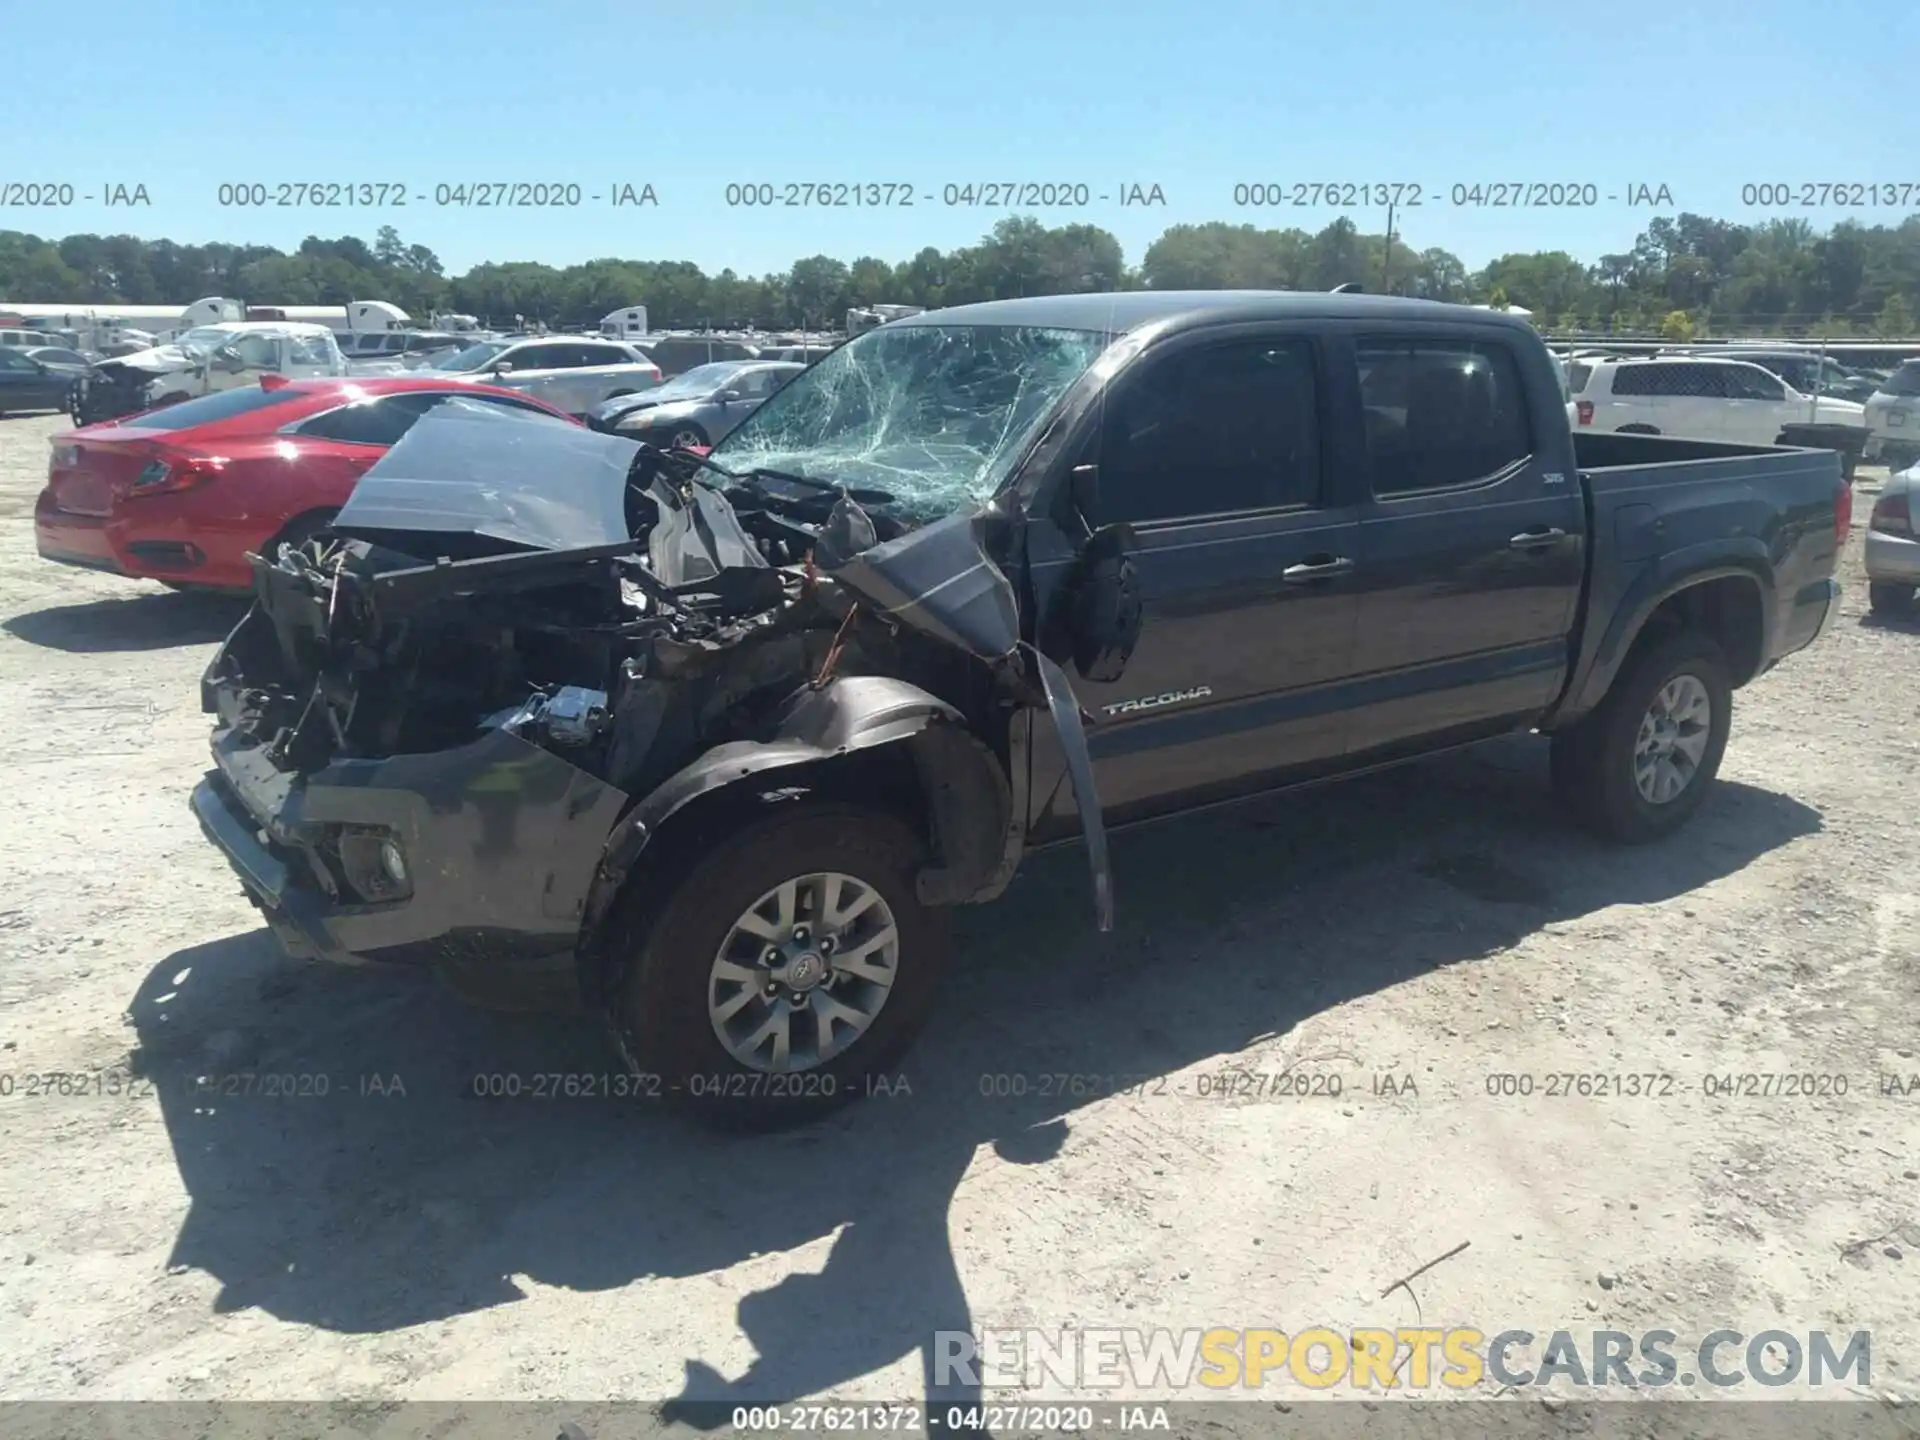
(935,415)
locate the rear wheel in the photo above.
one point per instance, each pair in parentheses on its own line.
(1886,598)
(1644,760)
(1638,430)
(787,971)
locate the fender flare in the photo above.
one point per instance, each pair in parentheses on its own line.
(968,793)
(1649,592)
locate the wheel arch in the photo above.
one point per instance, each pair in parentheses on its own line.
(868,740)
(1729,602)
(314,516)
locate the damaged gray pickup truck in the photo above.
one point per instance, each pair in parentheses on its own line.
(721,739)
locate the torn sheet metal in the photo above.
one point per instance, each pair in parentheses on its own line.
(697,536)
(941,582)
(1086,797)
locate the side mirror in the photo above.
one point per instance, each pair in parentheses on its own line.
(727,397)
(505,367)
(1105,609)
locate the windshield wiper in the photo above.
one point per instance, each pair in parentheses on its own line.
(807,480)
(699,463)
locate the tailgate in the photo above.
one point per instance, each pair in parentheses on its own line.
(89,473)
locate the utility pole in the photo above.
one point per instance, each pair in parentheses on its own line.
(1386,260)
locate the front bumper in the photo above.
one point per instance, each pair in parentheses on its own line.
(1892,559)
(501,841)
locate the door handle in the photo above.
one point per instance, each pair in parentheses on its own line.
(1308,571)
(1536,539)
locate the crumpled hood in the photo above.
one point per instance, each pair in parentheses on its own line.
(471,468)
(158,360)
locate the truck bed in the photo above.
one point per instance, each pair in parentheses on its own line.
(1661,511)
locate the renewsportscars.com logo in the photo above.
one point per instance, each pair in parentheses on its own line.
(1461,1358)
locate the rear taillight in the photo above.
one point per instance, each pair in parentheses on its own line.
(170,476)
(1891,515)
(1584,408)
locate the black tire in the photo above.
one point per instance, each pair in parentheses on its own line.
(1887,598)
(659,1010)
(1637,430)
(687,435)
(1593,760)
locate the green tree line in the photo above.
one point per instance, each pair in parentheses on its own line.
(1685,276)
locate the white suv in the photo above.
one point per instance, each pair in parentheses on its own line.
(574,373)
(1701,399)
(1893,418)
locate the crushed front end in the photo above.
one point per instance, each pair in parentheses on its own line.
(442,726)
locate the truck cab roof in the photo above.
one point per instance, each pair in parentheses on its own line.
(1123,311)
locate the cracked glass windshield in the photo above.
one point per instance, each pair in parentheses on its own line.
(934,415)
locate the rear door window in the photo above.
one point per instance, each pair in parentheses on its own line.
(1441,413)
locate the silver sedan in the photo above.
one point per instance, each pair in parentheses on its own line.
(1893,545)
(697,408)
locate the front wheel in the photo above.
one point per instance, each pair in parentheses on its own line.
(1643,761)
(686,437)
(786,973)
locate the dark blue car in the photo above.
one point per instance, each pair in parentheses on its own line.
(29,384)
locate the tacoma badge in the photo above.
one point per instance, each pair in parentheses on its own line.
(1156,702)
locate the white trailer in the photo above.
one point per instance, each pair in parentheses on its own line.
(357,317)
(627,324)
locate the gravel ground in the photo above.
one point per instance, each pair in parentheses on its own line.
(399,1238)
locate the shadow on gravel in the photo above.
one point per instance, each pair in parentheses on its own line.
(139,622)
(398,1197)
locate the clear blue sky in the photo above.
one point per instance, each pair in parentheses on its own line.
(1191,96)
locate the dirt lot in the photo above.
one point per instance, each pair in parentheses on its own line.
(400,1238)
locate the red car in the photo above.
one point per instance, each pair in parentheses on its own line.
(181,494)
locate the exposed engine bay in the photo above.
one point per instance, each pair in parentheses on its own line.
(624,654)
